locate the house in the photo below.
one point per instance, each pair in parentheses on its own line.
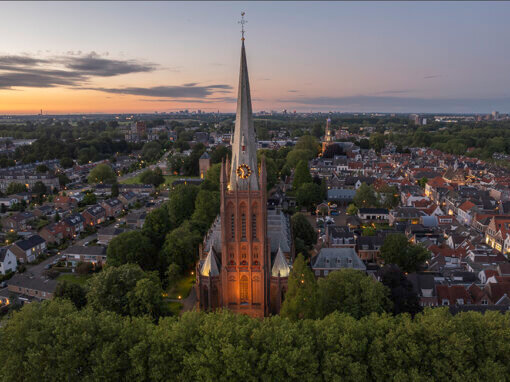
(45,211)
(28,250)
(332,259)
(409,215)
(105,235)
(137,189)
(424,287)
(19,221)
(26,284)
(52,233)
(95,254)
(466,212)
(342,196)
(128,198)
(72,225)
(339,237)
(8,201)
(65,203)
(8,261)
(94,215)
(373,214)
(113,207)
(497,232)
(452,295)
(136,219)
(368,248)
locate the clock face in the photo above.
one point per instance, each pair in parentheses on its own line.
(243,171)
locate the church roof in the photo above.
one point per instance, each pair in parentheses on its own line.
(280,266)
(244,146)
(205,156)
(209,267)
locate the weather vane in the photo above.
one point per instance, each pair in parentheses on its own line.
(242,22)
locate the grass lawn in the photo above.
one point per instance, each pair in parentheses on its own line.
(170,178)
(132,180)
(175,307)
(183,287)
(73,278)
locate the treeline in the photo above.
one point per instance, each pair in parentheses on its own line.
(486,138)
(53,341)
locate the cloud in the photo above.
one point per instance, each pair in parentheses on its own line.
(72,69)
(190,90)
(432,76)
(93,65)
(403,104)
(292,91)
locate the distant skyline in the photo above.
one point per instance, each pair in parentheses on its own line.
(123,57)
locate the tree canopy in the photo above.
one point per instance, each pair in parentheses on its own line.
(397,250)
(132,247)
(102,173)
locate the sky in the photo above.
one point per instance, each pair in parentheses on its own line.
(130,57)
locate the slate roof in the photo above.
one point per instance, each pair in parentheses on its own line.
(94,250)
(29,243)
(338,258)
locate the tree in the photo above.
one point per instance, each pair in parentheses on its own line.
(66,162)
(308,195)
(63,179)
(117,289)
(73,292)
(154,177)
(102,173)
(84,268)
(332,150)
(89,198)
(397,250)
(157,224)
(308,142)
(301,299)
(151,151)
(182,203)
(207,207)
(295,156)
(115,190)
(369,231)
(352,209)
(15,188)
(180,246)
(422,182)
(132,247)
(40,189)
(377,141)
(353,292)
(405,299)
(365,197)
(172,274)
(302,229)
(41,169)
(301,175)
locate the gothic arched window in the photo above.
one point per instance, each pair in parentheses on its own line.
(232,227)
(243,289)
(254,226)
(243,227)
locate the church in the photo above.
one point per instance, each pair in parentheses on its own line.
(246,256)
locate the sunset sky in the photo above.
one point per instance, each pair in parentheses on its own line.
(88,57)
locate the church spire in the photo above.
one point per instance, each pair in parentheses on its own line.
(243,171)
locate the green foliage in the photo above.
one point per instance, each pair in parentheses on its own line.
(15,188)
(295,156)
(369,231)
(405,299)
(182,203)
(154,177)
(180,246)
(207,207)
(102,173)
(353,292)
(115,190)
(301,175)
(151,151)
(308,142)
(422,182)
(212,178)
(172,274)
(132,247)
(365,197)
(397,250)
(53,341)
(157,224)
(301,299)
(377,141)
(352,209)
(73,292)
(66,162)
(120,290)
(308,195)
(89,198)
(302,229)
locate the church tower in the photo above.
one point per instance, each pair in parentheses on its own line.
(328,137)
(244,256)
(236,270)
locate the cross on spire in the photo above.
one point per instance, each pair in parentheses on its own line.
(242,22)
